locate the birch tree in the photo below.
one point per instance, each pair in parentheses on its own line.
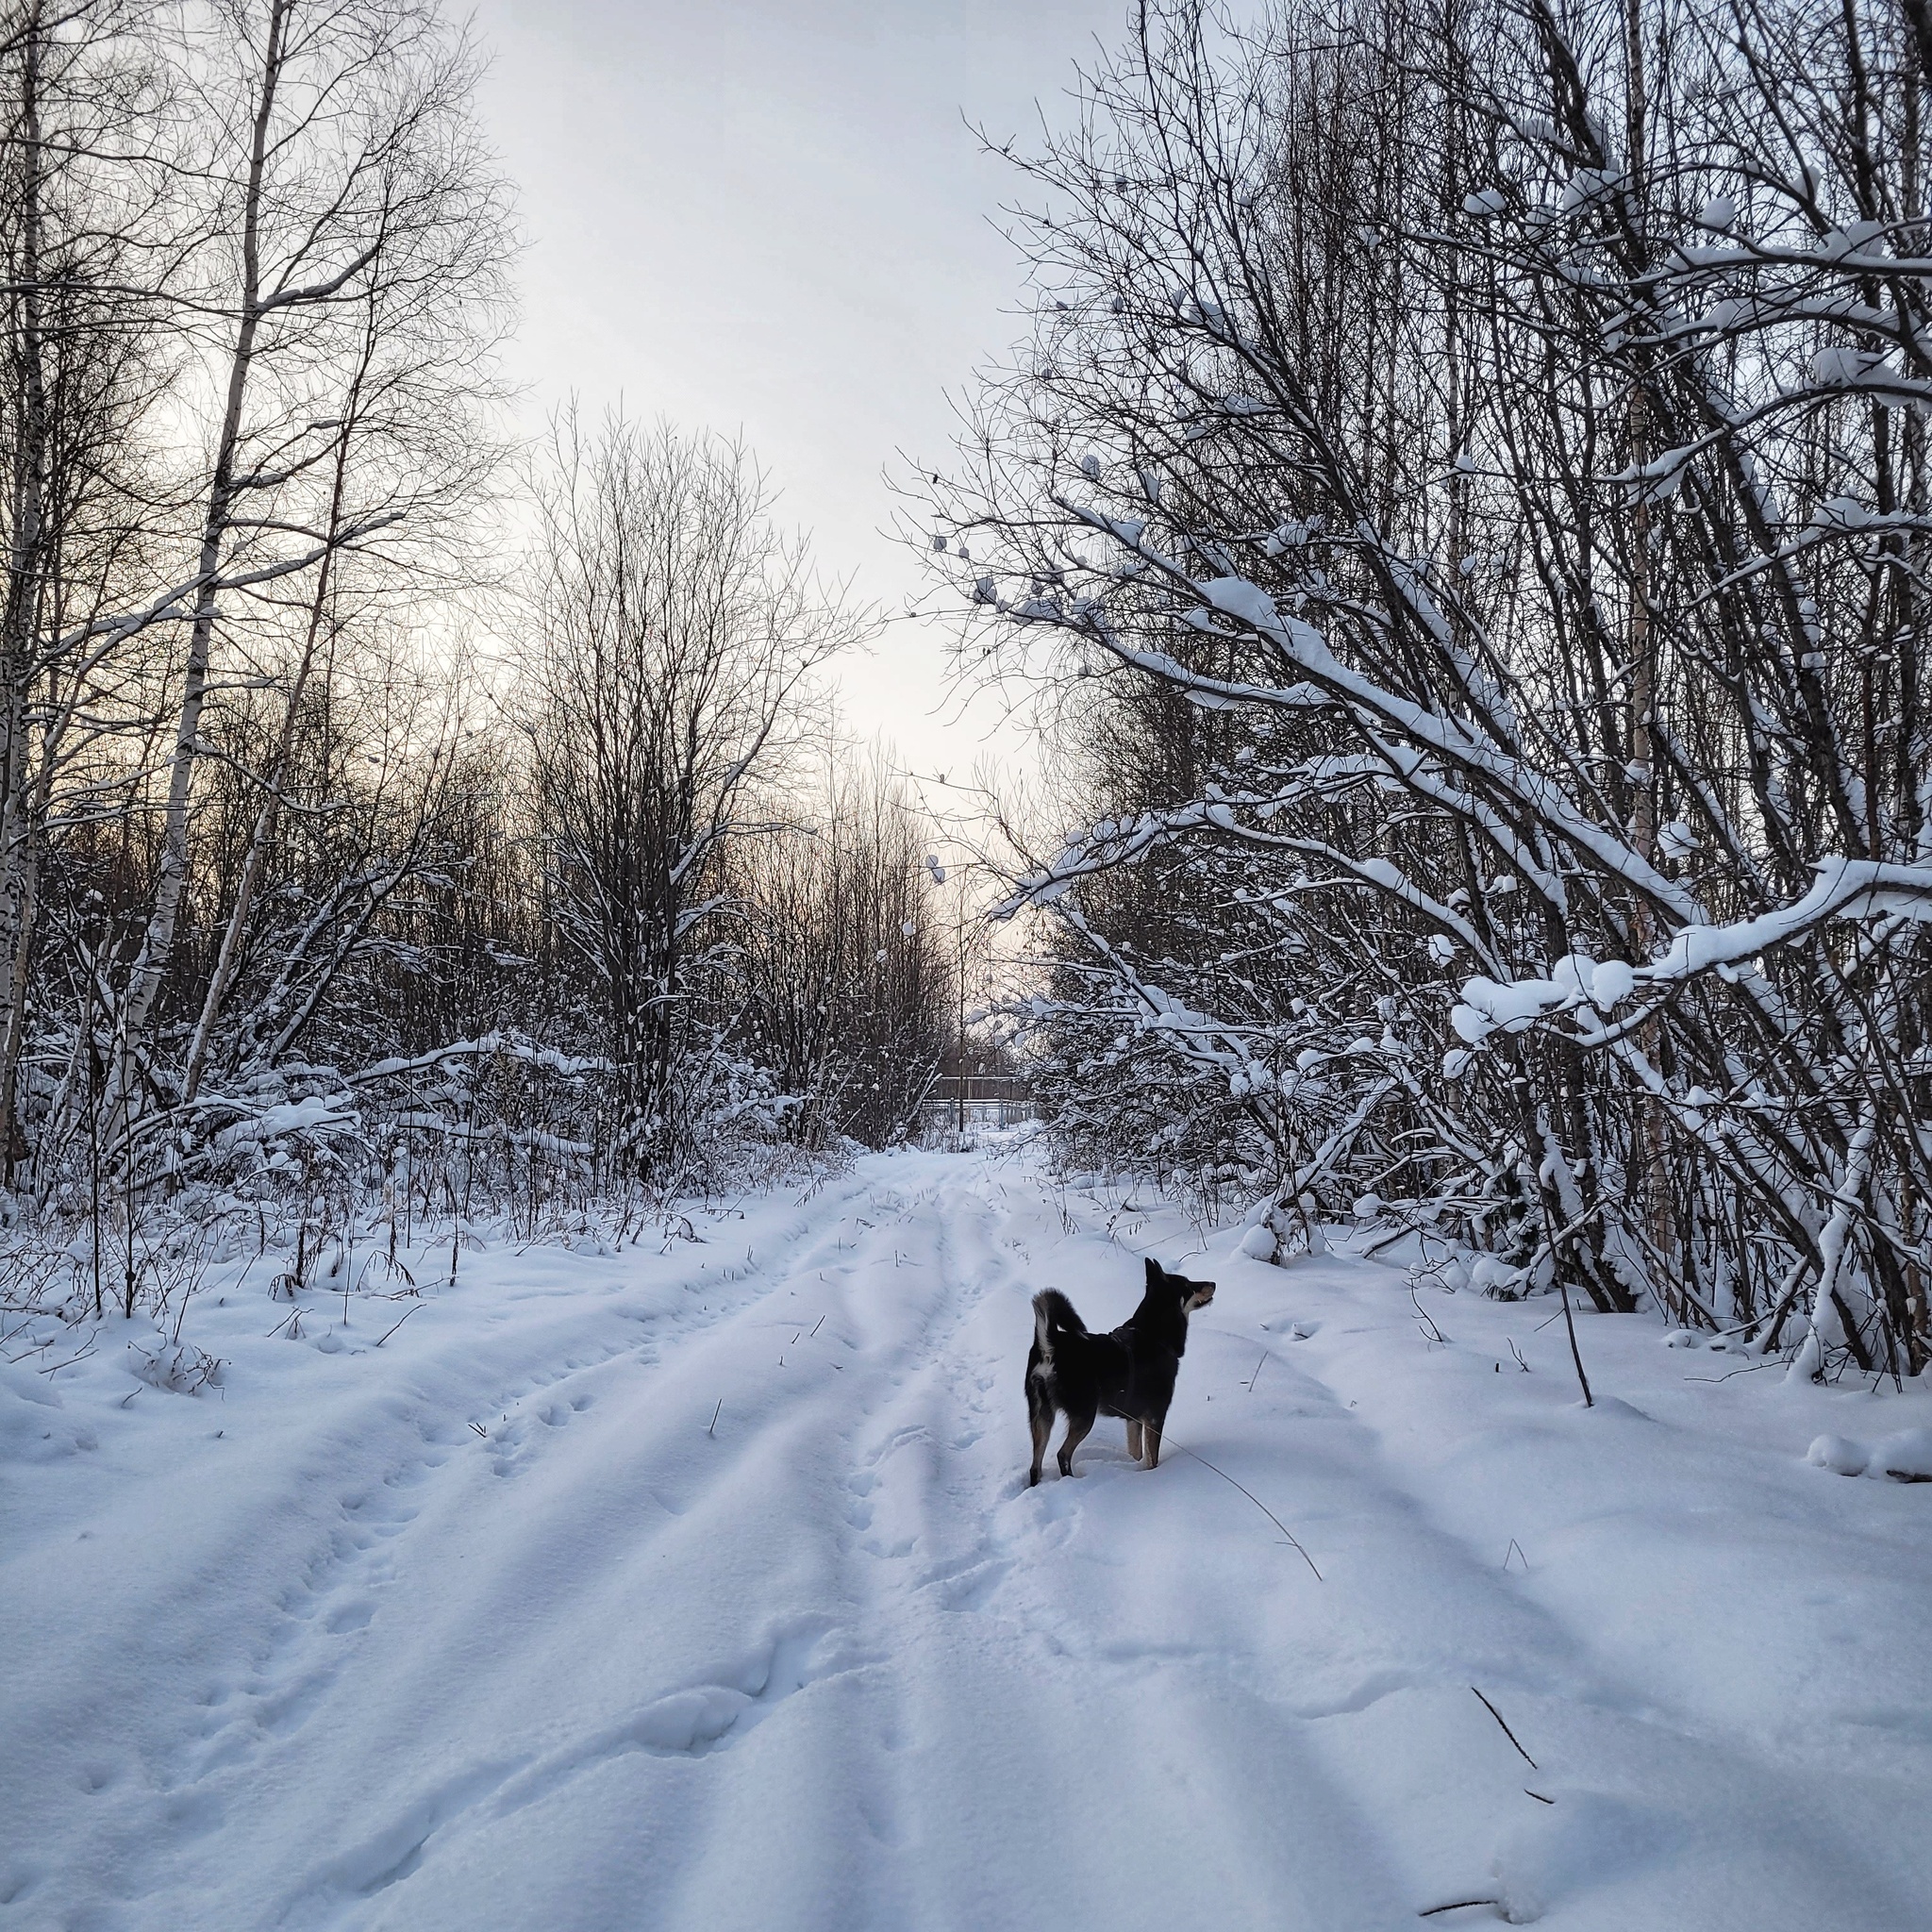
(351,215)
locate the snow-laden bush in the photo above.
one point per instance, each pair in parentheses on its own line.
(1491,655)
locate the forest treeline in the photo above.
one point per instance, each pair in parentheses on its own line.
(1465,500)
(386,813)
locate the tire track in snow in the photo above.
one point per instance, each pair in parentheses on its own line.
(386,1464)
(874,1332)
(336,1590)
(1018,1713)
(935,1451)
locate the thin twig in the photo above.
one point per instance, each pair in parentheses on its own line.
(1769,1362)
(1166,1441)
(1575,1353)
(1506,1731)
(406,1313)
(1430,1332)
(715,1414)
(55,1368)
(1457,1905)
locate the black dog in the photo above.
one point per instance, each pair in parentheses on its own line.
(1129,1373)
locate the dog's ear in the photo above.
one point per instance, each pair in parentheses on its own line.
(1153,1272)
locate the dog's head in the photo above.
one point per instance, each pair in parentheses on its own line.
(1187,1295)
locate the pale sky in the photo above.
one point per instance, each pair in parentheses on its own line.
(770,216)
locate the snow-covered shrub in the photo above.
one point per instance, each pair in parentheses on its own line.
(175,1366)
(1494,754)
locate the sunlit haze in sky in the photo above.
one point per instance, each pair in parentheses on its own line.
(770,216)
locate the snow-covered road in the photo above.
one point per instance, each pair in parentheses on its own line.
(497,1627)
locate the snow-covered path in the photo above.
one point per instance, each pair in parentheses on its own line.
(496,1628)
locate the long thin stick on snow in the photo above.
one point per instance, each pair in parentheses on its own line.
(715,1414)
(408,1313)
(1506,1731)
(1166,1441)
(1575,1353)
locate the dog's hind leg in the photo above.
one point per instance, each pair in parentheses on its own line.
(1040,1414)
(1077,1427)
(1150,1436)
(1133,1440)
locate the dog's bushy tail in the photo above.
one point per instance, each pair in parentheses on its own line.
(1054,1315)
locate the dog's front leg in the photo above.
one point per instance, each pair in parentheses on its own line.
(1134,1439)
(1150,1436)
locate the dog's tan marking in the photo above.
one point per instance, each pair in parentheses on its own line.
(1133,1440)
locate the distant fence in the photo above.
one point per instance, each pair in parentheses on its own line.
(980,1100)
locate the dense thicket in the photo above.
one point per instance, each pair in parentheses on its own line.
(1468,490)
(311,885)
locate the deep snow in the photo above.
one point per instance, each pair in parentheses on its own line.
(489,1629)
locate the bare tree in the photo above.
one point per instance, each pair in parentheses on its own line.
(838,978)
(349,184)
(673,631)
(89,218)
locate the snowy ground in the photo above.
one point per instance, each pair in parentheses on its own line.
(487,1629)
